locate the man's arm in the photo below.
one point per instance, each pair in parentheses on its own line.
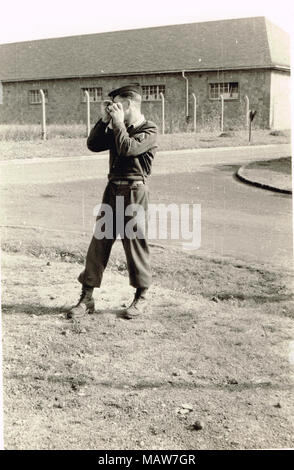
(99,139)
(139,143)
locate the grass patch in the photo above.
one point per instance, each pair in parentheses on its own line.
(63,141)
(280,165)
(25,132)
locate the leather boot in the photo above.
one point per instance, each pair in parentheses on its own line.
(85,305)
(138,306)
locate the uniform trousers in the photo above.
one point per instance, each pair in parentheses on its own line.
(136,248)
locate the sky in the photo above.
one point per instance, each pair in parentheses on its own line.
(23,20)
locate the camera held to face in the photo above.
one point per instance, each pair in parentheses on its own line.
(107,104)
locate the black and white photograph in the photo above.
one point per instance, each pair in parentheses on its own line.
(146,228)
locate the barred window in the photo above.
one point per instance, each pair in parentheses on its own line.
(35,96)
(152,92)
(229,90)
(94,92)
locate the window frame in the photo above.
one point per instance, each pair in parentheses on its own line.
(221,90)
(99,95)
(36,92)
(155,96)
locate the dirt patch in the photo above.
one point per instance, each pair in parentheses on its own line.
(109,383)
(218,279)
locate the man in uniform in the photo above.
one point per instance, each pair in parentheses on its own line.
(131,141)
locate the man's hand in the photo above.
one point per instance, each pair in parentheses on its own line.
(117,113)
(104,111)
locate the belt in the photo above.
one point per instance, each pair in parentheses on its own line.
(129,183)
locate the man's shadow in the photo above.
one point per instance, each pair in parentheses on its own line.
(41,310)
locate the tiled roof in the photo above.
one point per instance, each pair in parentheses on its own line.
(214,45)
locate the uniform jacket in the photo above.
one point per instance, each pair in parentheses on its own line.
(131,150)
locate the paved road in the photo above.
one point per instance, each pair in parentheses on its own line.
(57,170)
(238,221)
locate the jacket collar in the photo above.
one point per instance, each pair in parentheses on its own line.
(137,123)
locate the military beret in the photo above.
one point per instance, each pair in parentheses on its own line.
(135,88)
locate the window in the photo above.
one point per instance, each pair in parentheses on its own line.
(152,92)
(230,90)
(95,94)
(35,96)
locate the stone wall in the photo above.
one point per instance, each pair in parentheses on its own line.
(65,104)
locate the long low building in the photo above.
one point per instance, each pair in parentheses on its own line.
(239,59)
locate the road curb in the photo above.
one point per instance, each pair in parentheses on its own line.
(242,177)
